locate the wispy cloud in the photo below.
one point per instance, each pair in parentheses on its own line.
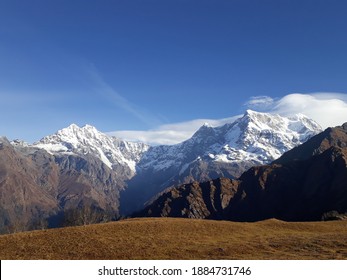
(101,87)
(11,100)
(260,103)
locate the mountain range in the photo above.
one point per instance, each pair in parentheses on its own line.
(80,175)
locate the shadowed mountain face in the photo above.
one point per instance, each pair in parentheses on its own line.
(298,187)
(27,190)
(206,200)
(297,190)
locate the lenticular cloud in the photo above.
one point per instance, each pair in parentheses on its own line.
(328,109)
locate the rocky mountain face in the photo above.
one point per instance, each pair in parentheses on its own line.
(307,183)
(27,190)
(226,151)
(207,200)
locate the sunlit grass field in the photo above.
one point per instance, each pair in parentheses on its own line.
(166,238)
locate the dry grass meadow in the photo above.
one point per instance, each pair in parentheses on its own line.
(164,238)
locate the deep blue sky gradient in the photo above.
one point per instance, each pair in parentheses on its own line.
(136,64)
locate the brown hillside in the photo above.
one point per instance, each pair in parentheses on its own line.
(27,190)
(164,238)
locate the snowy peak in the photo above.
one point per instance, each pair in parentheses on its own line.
(253,122)
(254,126)
(75,133)
(276,121)
(268,136)
(87,140)
(73,138)
(257,138)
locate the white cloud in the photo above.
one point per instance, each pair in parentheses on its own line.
(169,134)
(327,109)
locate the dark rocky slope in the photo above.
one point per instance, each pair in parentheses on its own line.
(27,192)
(295,191)
(206,200)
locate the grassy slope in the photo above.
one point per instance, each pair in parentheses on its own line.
(182,239)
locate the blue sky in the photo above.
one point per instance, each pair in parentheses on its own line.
(139,65)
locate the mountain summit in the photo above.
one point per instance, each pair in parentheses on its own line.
(257,137)
(88,140)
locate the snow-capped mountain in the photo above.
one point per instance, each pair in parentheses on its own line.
(212,152)
(256,137)
(88,140)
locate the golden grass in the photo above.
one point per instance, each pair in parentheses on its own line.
(166,238)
